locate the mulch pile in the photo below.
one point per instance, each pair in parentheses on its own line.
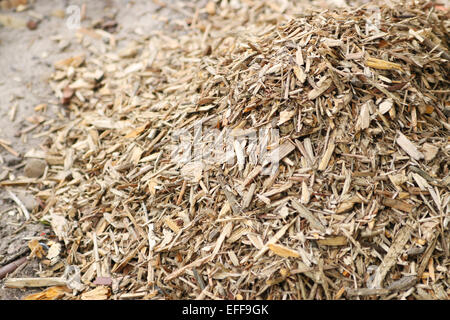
(256,152)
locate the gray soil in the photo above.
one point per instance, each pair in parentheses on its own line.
(26,63)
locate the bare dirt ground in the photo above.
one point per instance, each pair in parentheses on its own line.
(26,62)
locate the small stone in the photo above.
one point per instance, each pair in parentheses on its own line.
(67,95)
(32,24)
(35,168)
(103,281)
(27,199)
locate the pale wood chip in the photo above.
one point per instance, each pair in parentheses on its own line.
(408,146)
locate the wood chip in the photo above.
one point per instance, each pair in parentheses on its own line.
(408,147)
(391,257)
(306,214)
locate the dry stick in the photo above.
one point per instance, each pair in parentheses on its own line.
(306,214)
(183,190)
(426,257)
(367,292)
(34,282)
(10,267)
(254,173)
(275,238)
(9,149)
(133,220)
(151,271)
(356,244)
(96,256)
(20,182)
(225,232)
(403,283)
(180,271)
(230,196)
(391,257)
(20,204)
(19,269)
(324,280)
(119,266)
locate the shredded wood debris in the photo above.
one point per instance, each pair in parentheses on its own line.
(262,151)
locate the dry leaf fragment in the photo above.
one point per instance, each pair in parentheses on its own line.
(193,170)
(152,185)
(398,179)
(306,214)
(255,240)
(421,182)
(59,225)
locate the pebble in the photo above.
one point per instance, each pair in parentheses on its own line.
(32,24)
(27,199)
(35,168)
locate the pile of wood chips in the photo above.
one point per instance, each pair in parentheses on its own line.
(355,103)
